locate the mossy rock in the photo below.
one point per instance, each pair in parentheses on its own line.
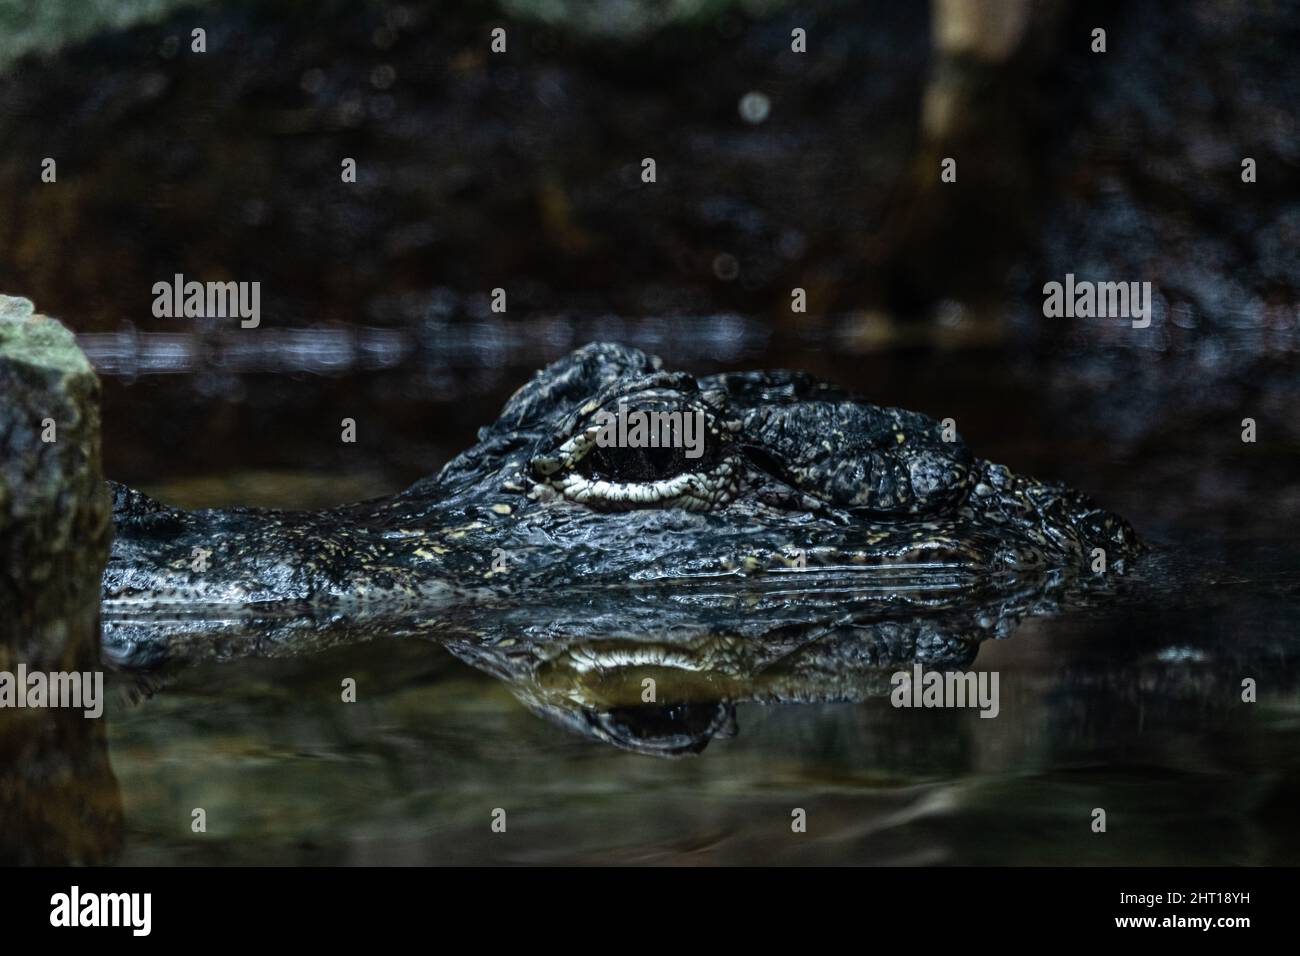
(55,510)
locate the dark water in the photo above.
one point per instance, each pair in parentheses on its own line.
(1130,703)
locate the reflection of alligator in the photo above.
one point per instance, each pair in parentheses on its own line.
(671,687)
(795,476)
(653,670)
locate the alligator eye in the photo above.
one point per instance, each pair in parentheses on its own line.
(636,464)
(661,454)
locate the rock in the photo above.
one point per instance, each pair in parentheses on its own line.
(55,510)
(59,801)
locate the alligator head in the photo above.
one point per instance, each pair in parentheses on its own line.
(758,475)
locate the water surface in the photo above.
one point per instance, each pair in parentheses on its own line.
(1129,701)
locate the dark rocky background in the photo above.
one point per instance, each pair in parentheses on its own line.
(519,171)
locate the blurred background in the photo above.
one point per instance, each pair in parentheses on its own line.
(775,170)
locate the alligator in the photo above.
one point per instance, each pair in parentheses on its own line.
(794,477)
(809,547)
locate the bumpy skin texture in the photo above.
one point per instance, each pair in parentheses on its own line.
(796,477)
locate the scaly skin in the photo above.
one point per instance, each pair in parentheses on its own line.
(818,544)
(797,478)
